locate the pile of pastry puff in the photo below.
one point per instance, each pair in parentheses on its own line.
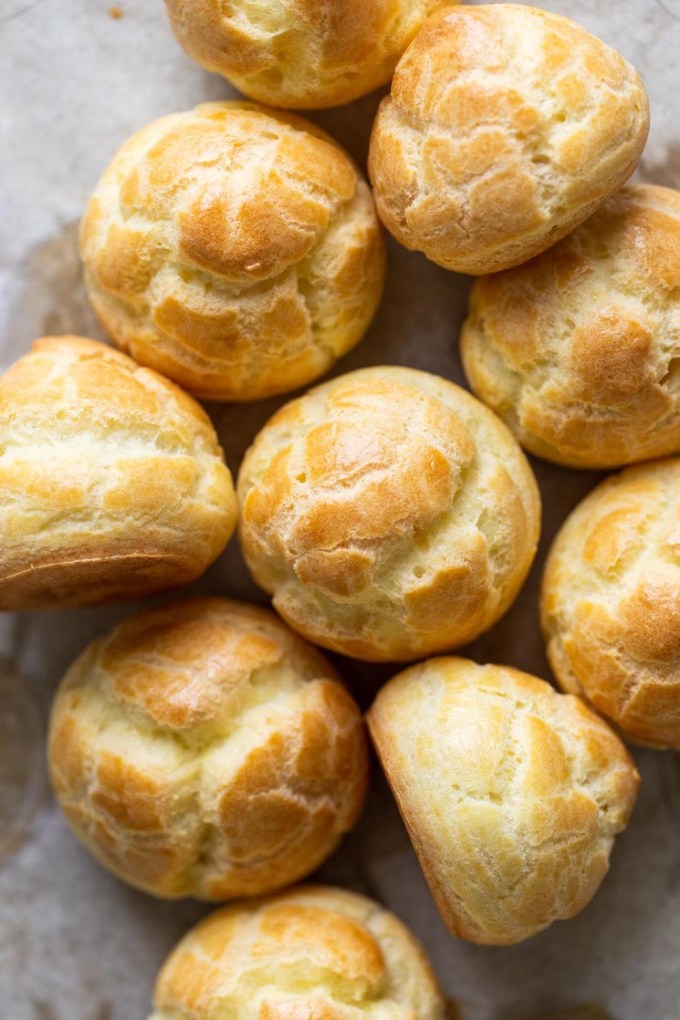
(205,748)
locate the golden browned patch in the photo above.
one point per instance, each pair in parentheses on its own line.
(300,1010)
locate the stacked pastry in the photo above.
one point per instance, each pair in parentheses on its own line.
(205,748)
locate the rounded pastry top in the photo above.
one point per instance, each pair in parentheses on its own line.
(389,513)
(610,603)
(511,792)
(234,248)
(506,127)
(203,749)
(113,481)
(311,953)
(578,350)
(300,53)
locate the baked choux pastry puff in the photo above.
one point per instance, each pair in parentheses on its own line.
(202,749)
(511,792)
(235,249)
(578,350)
(506,127)
(311,953)
(300,53)
(388,513)
(112,481)
(610,602)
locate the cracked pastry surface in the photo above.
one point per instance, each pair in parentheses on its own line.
(578,350)
(235,249)
(112,482)
(203,749)
(506,127)
(389,513)
(310,953)
(300,53)
(511,792)
(610,602)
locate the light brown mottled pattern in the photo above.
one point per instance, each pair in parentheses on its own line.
(112,482)
(506,127)
(202,749)
(311,953)
(610,603)
(235,249)
(578,350)
(511,792)
(388,513)
(299,53)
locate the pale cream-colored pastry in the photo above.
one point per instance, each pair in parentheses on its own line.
(389,513)
(310,953)
(512,793)
(578,350)
(610,604)
(112,481)
(506,127)
(202,749)
(235,249)
(300,53)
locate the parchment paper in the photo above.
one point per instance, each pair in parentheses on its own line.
(76,944)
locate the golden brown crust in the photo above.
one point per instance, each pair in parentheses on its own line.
(113,482)
(389,514)
(202,749)
(578,350)
(512,793)
(235,249)
(304,54)
(310,953)
(610,603)
(506,127)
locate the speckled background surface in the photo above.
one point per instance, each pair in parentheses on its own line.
(75,944)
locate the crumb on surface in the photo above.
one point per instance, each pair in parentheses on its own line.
(116,12)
